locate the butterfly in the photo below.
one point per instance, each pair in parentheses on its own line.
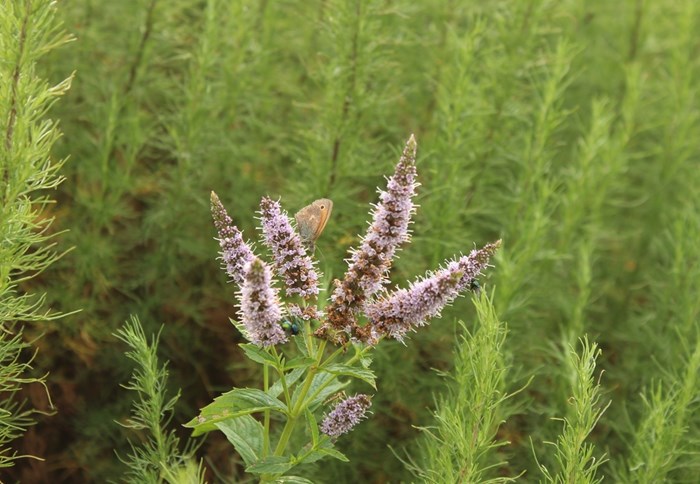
(312,219)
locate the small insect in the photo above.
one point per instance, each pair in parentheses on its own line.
(312,219)
(290,327)
(474,286)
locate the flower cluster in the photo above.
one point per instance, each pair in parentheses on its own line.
(346,415)
(361,290)
(369,265)
(261,312)
(291,261)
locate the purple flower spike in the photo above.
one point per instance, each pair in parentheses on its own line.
(291,261)
(370,264)
(260,307)
(346,415)
(404,309)
(235,253)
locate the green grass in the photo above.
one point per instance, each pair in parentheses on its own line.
(568,129)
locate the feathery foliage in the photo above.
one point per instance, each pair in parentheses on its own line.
(574,455)
(158,458)
(28,31)
(462,446)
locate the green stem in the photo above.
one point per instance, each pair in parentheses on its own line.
(283,380)
(266,432)
(294,413)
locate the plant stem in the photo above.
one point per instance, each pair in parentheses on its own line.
(266,433)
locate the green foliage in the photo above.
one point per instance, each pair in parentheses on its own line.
(462,445)
(28,31)
(575,457)
(568,129)
(158,458)
(301,399)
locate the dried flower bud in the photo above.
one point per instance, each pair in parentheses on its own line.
(346,415)
(370,264)
(291,260)
(235,253)
(405,309)
(260,308)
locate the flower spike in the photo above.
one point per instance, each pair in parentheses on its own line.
(346,415)
(405,309)
(291,260)
(235,252)
(260,307)
(369,265)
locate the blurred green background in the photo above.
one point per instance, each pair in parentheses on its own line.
(567,128)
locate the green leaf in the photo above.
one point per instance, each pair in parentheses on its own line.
(301,344)
(311,457)
(241,328)
(233,404)
(259,355)
(329,451)
(325,448)
(293,480)
(273,464)
(299,361)
(276,389)
(246,435)
(346,370)
(330,387)
(313,426)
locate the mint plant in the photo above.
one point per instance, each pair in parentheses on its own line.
(311,351)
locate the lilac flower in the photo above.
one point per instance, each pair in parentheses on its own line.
(346,415)
(291,261)
(369,265)
(405,309)
(260,307)
(235,253)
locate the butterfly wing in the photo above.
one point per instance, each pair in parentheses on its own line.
(323,207)
(312,219)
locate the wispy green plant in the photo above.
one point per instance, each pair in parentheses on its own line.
(28,30)
(574,452)
(461,446)
(664,444)
(157,458)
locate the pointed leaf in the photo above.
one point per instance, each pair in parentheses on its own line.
(241,328)
(259,355)
(274,464)
(346,370)
(334,453)
(301,344)
(313,426)
(233,404)
(292,480)
(328,385)
(246,435)
(290,378)
(298,362)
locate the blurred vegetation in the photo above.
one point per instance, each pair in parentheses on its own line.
(567,128)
